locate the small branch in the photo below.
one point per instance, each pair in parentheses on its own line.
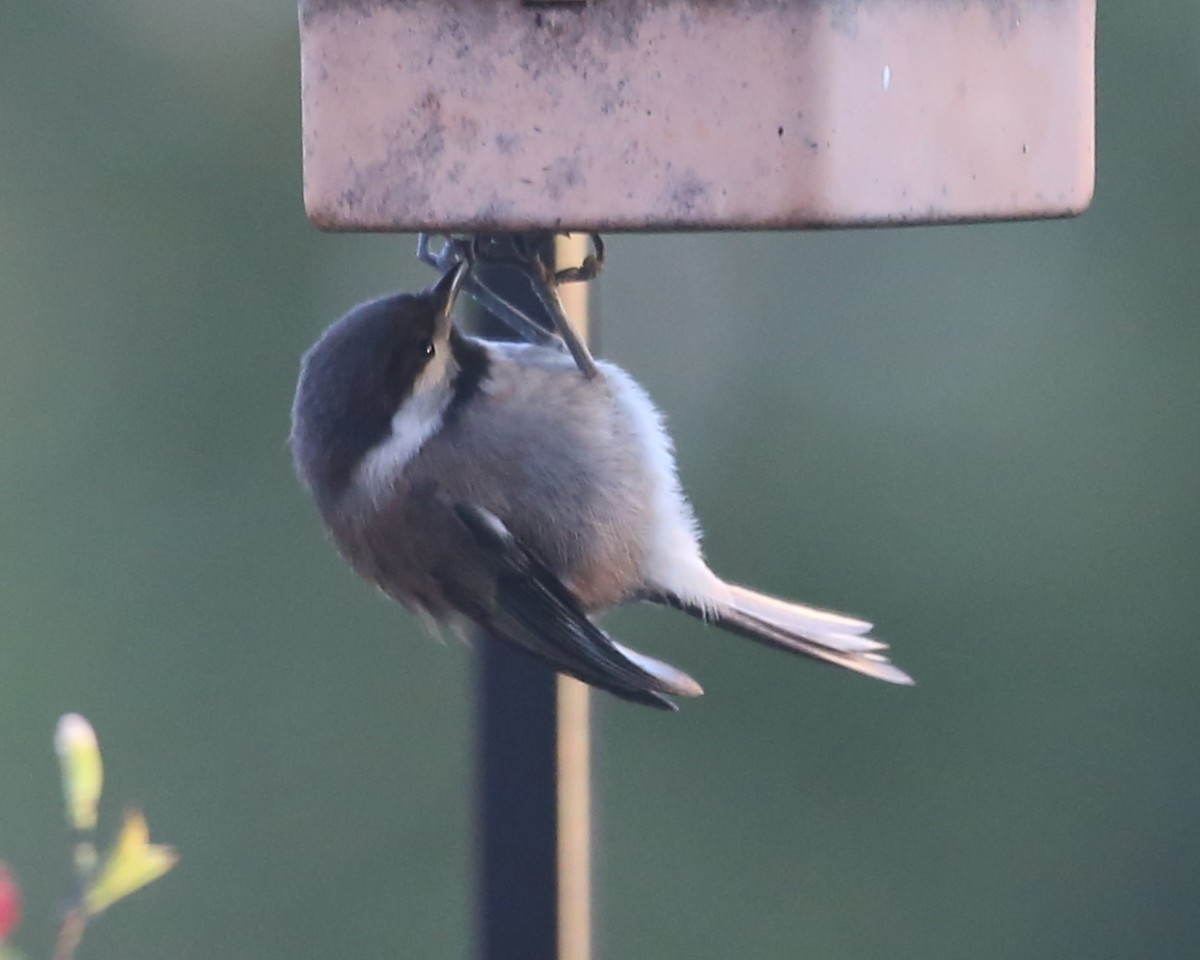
(70,933)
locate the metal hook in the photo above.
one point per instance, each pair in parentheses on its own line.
(530,254)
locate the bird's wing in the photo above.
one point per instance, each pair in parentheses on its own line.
(531,608)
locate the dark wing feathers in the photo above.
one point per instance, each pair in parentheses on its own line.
(534,610)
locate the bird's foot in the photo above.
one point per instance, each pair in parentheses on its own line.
(532,255)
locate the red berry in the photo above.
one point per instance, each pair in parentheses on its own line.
(10,902)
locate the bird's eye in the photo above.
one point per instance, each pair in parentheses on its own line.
(427,348)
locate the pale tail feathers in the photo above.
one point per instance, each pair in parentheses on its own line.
(822,634)
(795,617)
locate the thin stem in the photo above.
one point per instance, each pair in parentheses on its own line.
(71,933)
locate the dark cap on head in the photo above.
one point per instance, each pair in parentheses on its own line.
(355,377)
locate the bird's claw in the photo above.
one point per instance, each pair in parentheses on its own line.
(532,255)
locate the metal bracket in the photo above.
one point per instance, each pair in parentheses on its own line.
(533,256)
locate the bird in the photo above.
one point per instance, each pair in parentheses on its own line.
(490,483)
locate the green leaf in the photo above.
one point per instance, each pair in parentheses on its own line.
(132,864)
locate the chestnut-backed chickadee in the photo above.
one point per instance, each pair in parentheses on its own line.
(492,483)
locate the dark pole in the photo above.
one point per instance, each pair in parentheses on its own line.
(533,788)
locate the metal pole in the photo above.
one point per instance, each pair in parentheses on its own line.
(534,777)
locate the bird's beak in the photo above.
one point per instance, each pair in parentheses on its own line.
(445,292)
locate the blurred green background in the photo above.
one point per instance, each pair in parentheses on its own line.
(986,438)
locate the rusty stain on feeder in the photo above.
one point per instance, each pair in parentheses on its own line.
(694,114)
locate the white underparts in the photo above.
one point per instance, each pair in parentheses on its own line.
(418,418)
(673,561)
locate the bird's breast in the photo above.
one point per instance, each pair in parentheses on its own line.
(552,456)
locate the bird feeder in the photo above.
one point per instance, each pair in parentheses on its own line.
(610,115)
(496,116)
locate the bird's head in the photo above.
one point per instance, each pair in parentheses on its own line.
(382,357)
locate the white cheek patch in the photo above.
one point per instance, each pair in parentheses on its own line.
(418,419)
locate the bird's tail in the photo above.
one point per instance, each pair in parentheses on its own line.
(821,634)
